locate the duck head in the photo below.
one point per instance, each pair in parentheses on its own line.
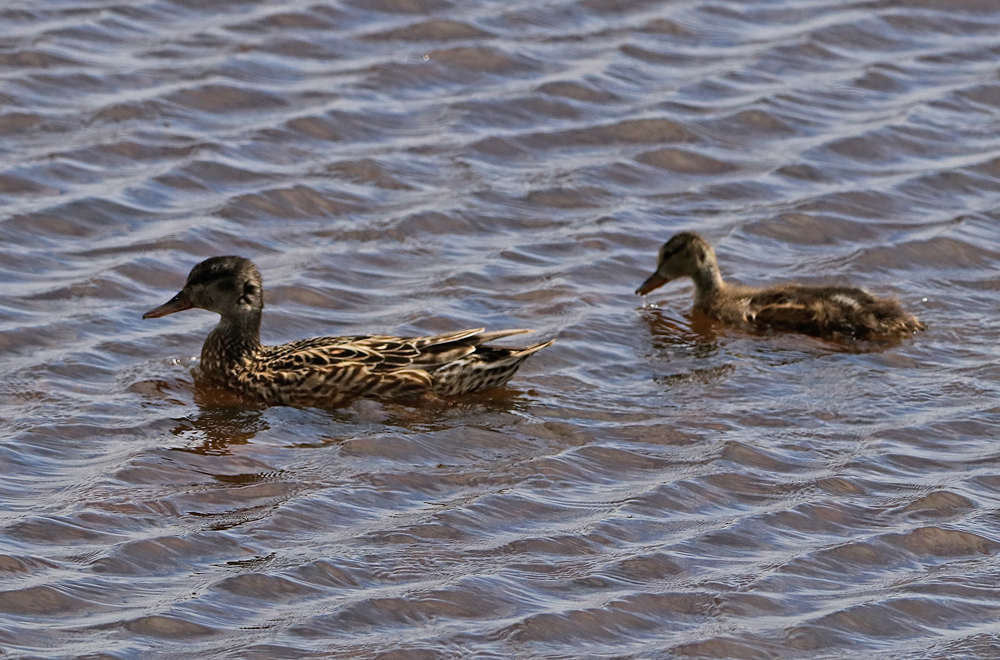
(685,255)
(230,286)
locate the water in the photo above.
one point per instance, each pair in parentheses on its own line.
(651,486)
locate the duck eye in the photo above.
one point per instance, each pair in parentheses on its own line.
(225,285)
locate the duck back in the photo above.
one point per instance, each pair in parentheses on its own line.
(828,310)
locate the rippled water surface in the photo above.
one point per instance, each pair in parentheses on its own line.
(651,486)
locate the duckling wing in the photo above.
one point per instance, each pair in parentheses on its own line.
(771,312)
(820,310)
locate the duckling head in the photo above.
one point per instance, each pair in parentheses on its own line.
(685,255)
(230,286)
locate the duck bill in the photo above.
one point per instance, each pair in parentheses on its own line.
(178,303)
(654,281)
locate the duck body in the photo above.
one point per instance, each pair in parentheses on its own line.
(328,371)
(822,311)
(324,371)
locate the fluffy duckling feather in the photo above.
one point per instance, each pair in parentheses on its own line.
(822,311)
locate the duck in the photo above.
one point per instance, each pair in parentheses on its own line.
(820,311)
(329,371)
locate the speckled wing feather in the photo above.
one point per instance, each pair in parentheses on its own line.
(488,366)
(384,353)
(379,353)
(334,384)
(333,369)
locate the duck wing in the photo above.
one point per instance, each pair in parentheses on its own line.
(331,369)
(828,310)
(380,353)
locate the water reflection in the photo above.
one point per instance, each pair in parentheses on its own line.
(215,427)
(694,333)
(224,419)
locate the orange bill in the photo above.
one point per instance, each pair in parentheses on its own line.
(654,281)
(178,303)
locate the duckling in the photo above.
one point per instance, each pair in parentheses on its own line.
(327,371)
(822,311)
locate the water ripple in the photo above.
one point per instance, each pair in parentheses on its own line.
(649,486)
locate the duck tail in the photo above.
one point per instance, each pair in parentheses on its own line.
(487,337)
(906,325)
(519,355)
(486,368)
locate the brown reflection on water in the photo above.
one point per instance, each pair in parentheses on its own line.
(217,427)
(653,485)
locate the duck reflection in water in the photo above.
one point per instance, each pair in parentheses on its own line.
(696,335)
(223,419)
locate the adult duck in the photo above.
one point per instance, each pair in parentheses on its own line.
(822,311)
(327,371)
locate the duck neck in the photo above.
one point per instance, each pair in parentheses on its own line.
(708,283)
(233,342)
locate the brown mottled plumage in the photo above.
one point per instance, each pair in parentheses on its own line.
(822,311)
(326,371)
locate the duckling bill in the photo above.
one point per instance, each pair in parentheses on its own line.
(326,371)
(814,310)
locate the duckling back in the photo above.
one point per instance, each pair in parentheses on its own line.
(826,311)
